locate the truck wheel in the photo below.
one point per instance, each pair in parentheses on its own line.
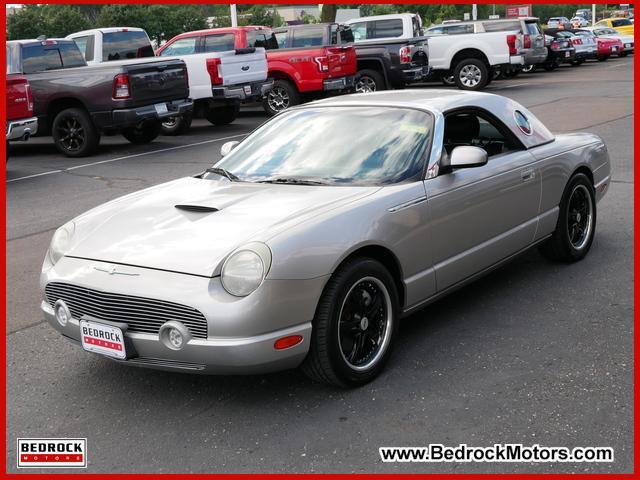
(177,125)
(550,67)
(448,80)
(222,115)
(602,58)
(74,134)
(144,132)
(282,96)
(471,74)
(368,81)
(529,68)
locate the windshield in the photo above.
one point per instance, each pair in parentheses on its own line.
(126,45)
(335,145)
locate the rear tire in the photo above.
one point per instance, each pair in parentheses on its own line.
(529,68)
(355,324)
(471,74)
(602,58)
(222,115)
(144,132)
(369,81)
(550,67)
(177,125)
(576,224)
(448,80)
(282,96)
(74,134)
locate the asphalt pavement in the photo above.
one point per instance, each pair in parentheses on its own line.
(534,353)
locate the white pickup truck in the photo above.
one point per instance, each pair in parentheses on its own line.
(469,57)
(218,80)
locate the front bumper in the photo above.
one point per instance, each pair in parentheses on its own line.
(22,129)
(628,46)
(127,117)
(342,83)
(242,92)
(241,331)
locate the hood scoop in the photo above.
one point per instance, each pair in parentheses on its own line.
(197,208)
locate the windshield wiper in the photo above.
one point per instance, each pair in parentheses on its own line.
(292,181)
(224,173)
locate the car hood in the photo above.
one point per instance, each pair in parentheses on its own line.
(146,228)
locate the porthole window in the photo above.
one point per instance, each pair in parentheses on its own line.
(522,122)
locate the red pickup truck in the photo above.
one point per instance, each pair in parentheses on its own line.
(21,123)
(303,60)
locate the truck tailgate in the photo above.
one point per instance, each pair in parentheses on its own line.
(342,61)
(157,81)
(238,67)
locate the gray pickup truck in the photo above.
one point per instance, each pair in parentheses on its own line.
(76,103)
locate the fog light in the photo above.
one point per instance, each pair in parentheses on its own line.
(63,315)
(174,335)
(175,338)
(287,342)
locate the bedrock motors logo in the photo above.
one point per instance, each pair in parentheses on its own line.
(52,453)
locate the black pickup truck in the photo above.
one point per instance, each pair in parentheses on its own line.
(390,64)
(76,103)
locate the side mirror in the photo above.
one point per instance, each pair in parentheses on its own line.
(227,147)
(466,156)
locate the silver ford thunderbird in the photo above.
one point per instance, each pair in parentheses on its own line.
(309,240)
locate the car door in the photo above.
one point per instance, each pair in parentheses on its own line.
(484,214)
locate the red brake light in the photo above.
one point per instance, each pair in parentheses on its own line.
(511,42)
(405,54)
(121,87)
(27,90)
(214,71)
(555,45)
(527,41)
(323,63)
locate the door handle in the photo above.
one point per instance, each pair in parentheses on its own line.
(528,174)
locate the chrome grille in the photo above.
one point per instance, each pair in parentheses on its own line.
(145,315)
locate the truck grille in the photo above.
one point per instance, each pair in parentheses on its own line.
(143,315)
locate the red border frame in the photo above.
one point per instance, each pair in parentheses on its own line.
(636,293)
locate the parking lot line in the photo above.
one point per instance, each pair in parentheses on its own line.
(51,172)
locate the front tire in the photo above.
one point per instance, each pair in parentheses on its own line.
(471,74)
(602,58)
(368,81)
(448,80)
(74,134)
(355,324)
(144,132)
(282,96)
(576,224)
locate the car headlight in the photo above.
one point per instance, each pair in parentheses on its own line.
(244,270)
(61,242)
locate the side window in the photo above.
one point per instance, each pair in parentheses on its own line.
(359,31)
(183,46)
(83,45)
(308,37)
(478,130)
(502,26)
(261,38)
(458,29)
(346,35)
(387,28)
(219,42)
(37,58)
(71,56)
(416,27)
(281,38)
(436,31)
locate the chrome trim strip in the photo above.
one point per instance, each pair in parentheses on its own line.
(410,203)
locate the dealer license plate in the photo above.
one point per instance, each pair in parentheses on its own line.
(161,108)
(247,89)
(614,49)
(566,54)
(627,45)
(102,339)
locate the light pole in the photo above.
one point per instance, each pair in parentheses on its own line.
(474,11)
(593,13)
(234,15)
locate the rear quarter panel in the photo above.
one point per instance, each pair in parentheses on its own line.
(442,48)
(297,64)
(558,160)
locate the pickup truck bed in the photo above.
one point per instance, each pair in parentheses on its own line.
(76,103)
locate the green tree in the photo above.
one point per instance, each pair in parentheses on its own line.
(264,15)
(27,22)
(61,20)
(328,13)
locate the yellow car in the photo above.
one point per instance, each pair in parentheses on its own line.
(622,25)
